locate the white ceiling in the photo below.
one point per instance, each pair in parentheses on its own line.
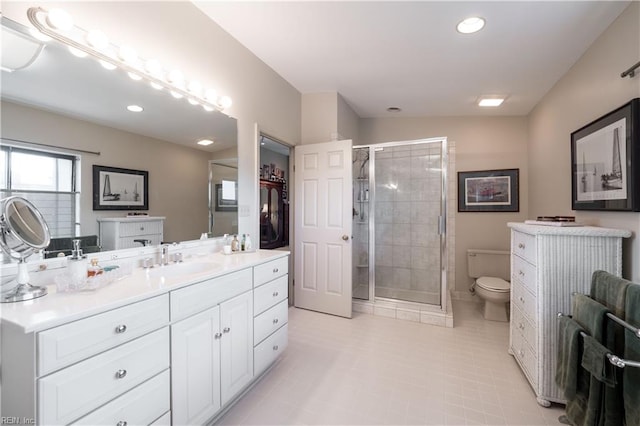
(409,55)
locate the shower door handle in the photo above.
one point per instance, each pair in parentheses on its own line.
(345,237)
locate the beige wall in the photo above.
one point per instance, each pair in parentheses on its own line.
(590,89)
(179,34)
(481,143)
(171,167)
(348,121)
(319,117)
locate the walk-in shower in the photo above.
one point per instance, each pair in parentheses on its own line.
(399,223)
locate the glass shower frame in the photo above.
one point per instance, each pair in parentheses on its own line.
(441,225)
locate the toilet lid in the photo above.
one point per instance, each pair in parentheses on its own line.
(493,283)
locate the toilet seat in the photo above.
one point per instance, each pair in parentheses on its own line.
(494,284)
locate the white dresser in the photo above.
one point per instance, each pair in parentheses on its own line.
(548,264)
(121,232)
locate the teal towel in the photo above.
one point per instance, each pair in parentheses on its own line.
(595,361)
(590,315)
(631,375)
(609,290)
(569,348)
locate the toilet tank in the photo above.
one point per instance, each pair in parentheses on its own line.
(488,263)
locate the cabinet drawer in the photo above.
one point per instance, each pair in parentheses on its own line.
(140,228)
(524,245)
(266,352)
(269,294)
(66,344)
(520,324)
(142,405)
(525,273)
(526,359)
(165,420)
(269,321)
(271,270)
(524,301)
(77,390)
(198,297)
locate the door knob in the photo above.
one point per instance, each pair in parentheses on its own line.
(345,237)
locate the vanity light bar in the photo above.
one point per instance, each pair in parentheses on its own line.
(42,21)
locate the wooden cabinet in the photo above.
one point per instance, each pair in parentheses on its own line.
(274,215)
(122,232)
(548,264)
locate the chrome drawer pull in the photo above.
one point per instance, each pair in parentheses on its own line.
(521,273)
(275,294)
(121,329)
(521,299)
(217,335)
(120,374)
(226,330)
(275,347)
(121,423)
(275,321)
(275,270)
(520,246)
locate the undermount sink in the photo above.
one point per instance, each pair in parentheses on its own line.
(180,269)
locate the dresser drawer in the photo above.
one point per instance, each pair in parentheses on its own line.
(271,270)
(269,294)
(269,321)
(199,297)
(524,245)
(266,352)
(75,391)
(520,324)
(526,358)
(140,228)
(525,273)
(523,300)
(142,405)
(66,344)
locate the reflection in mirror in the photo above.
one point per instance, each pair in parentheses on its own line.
(58,103)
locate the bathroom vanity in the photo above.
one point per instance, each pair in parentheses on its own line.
(168,345)
(549,264)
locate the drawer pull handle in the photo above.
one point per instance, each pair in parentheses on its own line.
(120,374)
(521,326)
(142,228)
(226,330)
(121,423)
(521,246)
(121,329)
(521,273)
(521,299)
(521,352)
(217,335)
(275,294)
(275,270)
(275,321)
(275,347)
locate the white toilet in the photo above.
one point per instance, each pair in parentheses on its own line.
(491,271)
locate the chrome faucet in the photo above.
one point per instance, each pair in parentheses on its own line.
(164,257)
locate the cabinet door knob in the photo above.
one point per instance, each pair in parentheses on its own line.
(275,294)
(226,330)
(120,374)
(521,326)
(345,237)
(142,228)
(275,270)
(275,347)
(121,423)
(217,335)
(521,273)
(275,321)
(521,299)
(521,352)
(121,329)
(520,246)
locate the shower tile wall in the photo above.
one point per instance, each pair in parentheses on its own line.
(407,206)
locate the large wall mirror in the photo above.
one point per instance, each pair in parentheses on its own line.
(64,104)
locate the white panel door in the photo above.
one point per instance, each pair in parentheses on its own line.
(323,227)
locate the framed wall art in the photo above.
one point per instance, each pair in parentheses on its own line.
(605,174)
(120,189)
(488,191)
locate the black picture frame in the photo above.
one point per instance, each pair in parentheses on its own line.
(223,205)
(604,155)
(120,189)
(489,191)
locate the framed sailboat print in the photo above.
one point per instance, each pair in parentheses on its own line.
(605,155)
(120,189)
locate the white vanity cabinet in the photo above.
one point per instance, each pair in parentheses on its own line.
(549,264)
(121,232)
(211,351)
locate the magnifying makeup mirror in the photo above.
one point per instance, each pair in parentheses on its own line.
(23,231)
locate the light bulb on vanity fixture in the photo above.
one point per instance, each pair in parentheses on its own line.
(58,25)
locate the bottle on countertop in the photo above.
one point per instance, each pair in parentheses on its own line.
(248,246)
(243,242)
(94,269)
(77,264)
(235,244)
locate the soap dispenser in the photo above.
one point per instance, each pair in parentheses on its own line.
(77,264)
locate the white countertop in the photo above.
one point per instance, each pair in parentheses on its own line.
(58,308)
(130,218)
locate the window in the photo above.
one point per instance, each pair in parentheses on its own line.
(46,179)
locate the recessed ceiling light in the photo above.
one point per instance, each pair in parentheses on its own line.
(135,108)
(470,25)
(394,109)
(490,102)
(205,142)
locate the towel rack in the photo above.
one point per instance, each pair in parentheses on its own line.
(622,363)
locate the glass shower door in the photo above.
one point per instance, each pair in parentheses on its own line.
(360,251)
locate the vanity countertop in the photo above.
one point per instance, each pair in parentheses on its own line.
(59,308)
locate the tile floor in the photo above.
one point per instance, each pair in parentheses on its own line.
(378,371)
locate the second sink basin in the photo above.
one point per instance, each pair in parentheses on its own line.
(180,269)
